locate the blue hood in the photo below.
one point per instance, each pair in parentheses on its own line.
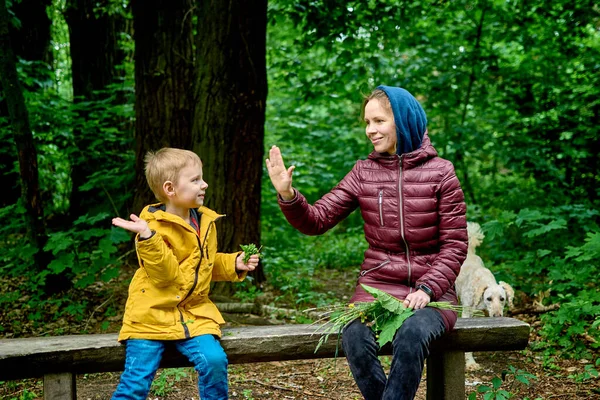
(409,117)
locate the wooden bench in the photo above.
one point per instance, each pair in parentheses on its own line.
(59,358)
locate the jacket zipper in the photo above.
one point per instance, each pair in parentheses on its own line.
(380,202)
(201,245)
(401,206)
(366,271)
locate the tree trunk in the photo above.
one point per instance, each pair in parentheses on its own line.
(94,32)
(228,132)
(31,42)
(23,138)
(163,78)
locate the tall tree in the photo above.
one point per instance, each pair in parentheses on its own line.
(163,77)
(23,137)
(94,30)
(228,132)
(30,41)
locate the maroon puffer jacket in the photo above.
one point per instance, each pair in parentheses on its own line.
(415,224)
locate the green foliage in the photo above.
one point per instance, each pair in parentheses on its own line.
(589,372)
(247,292)
(496,391)
(296,264)
(167,378)
(534,249)
(21,393)
(86,251)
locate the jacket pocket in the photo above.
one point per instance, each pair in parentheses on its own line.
(366,271)
(380,204)
(154,316)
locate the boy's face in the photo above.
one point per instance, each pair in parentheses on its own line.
(190,187)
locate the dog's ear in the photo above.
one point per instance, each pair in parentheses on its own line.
(510,293)
(478,295)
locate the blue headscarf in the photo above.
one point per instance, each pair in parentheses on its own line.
(409,116)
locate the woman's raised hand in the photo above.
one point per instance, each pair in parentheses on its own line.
(281,178)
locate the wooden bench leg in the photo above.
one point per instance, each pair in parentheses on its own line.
(446,376)
(60,387)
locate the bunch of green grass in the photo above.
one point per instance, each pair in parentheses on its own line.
(249,249)
(385,316)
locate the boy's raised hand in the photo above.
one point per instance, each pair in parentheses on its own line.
(136,225)
(281,178)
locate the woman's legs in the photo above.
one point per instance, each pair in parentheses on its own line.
(360,346)
(411,348)
(141,362)
(210,361)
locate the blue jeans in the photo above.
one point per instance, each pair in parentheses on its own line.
(143,358)
(410,349)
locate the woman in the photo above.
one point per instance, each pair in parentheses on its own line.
(414,222)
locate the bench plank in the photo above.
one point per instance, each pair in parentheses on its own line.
(35,357)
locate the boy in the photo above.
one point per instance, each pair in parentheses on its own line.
(168,300)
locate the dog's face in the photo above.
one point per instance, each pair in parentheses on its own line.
(495,297)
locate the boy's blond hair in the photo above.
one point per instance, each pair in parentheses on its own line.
(165,165)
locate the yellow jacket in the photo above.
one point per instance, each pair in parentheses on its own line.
(168,295)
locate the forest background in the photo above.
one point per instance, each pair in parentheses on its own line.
(511,89)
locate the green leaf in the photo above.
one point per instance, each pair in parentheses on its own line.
(553,225)
(386,300)
(502,395)
(106,246)
(91,219)
(109,274)
(64,261)
(118,235)
(388,330)
(496,382)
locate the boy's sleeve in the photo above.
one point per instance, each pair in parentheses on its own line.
(157,259)
(224,268)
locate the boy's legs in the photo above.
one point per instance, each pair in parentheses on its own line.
(141,363)
(210,361)
(360,346)
(411,348)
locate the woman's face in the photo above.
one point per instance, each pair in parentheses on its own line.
(381,129)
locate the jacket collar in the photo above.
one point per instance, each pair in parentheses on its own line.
(158,212)
(409,160)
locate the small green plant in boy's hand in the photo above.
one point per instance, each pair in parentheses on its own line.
(249,250)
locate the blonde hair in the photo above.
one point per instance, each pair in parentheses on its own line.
(380,95)
(165,165)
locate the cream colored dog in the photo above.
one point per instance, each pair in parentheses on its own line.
(476,286)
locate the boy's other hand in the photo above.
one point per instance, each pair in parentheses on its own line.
(136,225)
(249,266)
(281,178)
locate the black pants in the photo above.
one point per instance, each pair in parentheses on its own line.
(410,349)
